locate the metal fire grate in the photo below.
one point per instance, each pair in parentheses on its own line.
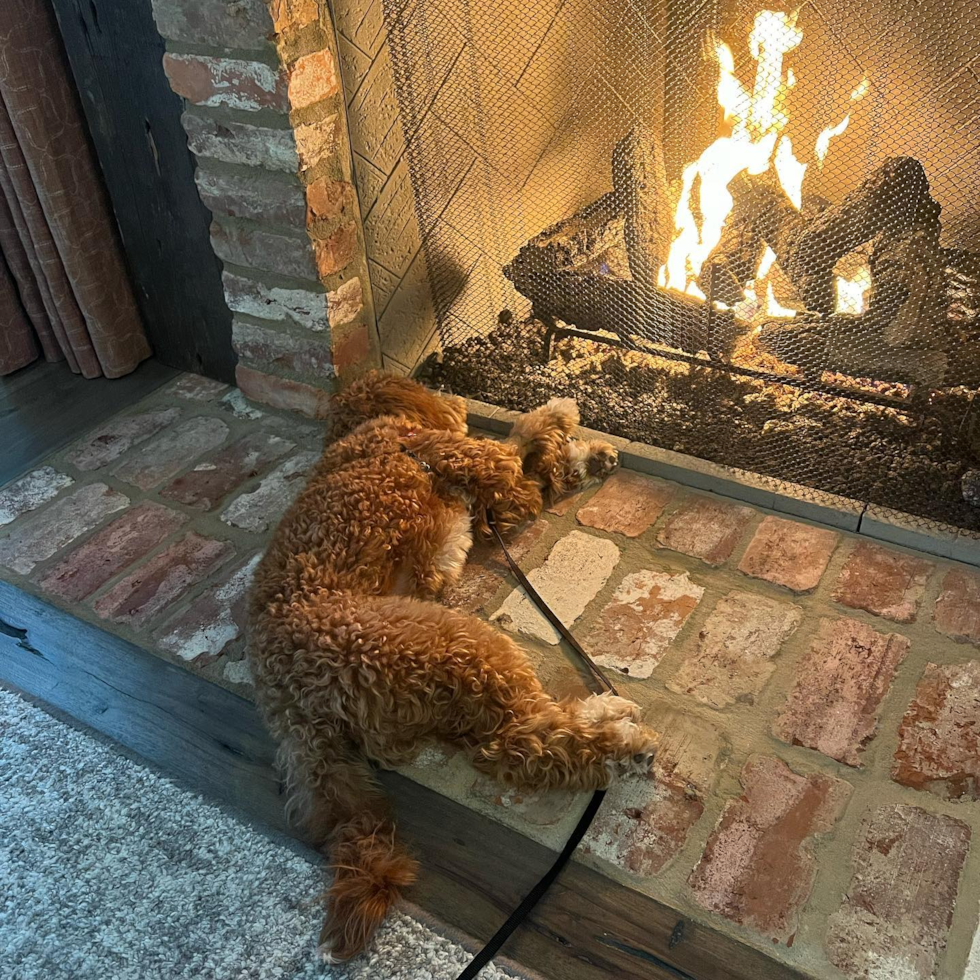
(746,233)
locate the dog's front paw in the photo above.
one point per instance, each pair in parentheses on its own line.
(638,749)
(602,460)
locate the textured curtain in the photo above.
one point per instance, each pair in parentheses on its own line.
(64,291)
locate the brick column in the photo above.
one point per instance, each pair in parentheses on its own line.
(265,118)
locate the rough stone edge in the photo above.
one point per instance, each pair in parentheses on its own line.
(792,499)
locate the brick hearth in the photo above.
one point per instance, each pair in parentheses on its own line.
(819,696)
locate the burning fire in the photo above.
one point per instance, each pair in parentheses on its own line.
(756,144)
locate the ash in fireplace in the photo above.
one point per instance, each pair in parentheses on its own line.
(911,458)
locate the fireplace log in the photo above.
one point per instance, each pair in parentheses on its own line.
(845,344)
(808,247)
(640,186)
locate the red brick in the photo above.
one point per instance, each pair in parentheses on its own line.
(262,248)
(217,475)
(313,78)
(789,553)
(641,620)
(644,823)
(261,507)
(231,82)
(255,194)
(840,684)
(736,649)
(128,538)
(894,921)
(337,251)
(328,199)
(197,388)
(154,586)
(111,440)
(705,528)
(939,739)
(561,507)
(958,606)
(352,350)
(30,492)
(276,392)
(242,24)
(37,538)
(758,867)
(164,457)
(627,503)
(486,570)
(311,356)
(884,582)
(241,143)
(213,623)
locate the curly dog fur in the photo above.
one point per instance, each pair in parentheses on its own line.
(355,667)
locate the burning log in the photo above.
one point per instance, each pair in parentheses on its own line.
(577,271)
(808,247)
(640,186)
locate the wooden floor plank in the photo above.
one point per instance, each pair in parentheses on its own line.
(44,407)
(474,871)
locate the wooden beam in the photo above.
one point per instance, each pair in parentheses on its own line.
(474,871)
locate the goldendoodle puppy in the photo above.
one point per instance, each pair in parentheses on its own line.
(354,664)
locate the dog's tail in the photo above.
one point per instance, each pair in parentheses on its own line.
(334,796)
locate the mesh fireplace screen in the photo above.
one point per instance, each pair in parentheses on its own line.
(748,234)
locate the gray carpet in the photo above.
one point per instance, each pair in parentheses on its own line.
(109,871)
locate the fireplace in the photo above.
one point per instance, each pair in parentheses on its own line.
(747,233)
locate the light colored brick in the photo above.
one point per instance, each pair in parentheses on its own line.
(125,540)
(644,823)
(236,404)
(577,568)
(110,441)
(258,194)
(213,621)
(840,684)
(259,508)
(157,584)
(30,492)
(240,24)
(301,307)
(196,388)
(758,867)
(627,503)
(894,921)
(231,82)
(705,528)
(262,248)
(345,303)
(317,141)
(884,582)
(736,649)
(939,739)
(232,141)
(541,808)
(958,606)
(310,356)
(238,672)
(291,15)
(39,537)
(641,620)
(789,553)
(165,456)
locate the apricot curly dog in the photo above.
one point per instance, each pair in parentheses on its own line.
(353,667)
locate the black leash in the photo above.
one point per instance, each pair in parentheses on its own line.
(532,898)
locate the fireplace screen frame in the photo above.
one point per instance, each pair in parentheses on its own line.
(494,212)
